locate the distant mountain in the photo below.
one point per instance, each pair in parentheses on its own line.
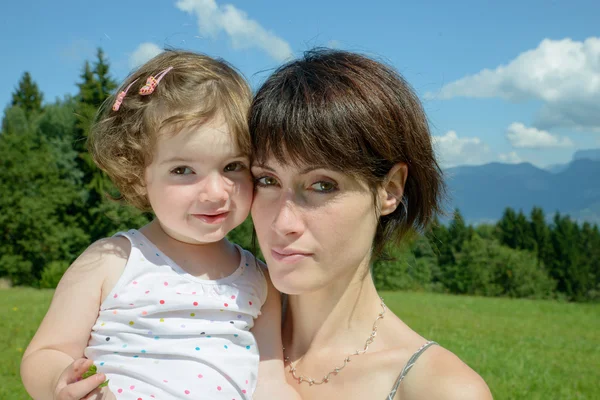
(483,192)
(591,154)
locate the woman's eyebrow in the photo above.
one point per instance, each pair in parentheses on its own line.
(263,166)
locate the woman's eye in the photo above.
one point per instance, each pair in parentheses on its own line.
(323,186)
(265,181)
(181,171)
(234,167)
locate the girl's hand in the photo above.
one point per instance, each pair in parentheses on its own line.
(71,384)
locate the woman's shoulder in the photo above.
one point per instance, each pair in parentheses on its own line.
(440,374)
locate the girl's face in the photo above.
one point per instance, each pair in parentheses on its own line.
(314,225)
(198,184)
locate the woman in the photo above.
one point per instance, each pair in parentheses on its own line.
(344,165)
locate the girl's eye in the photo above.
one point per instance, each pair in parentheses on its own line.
(265,181)
(234,167)
(181,171)
(324,186)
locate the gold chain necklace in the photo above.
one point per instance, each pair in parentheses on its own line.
(337,370)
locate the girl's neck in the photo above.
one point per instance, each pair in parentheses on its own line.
(338,317)
(194,258)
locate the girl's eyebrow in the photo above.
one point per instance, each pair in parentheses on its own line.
(185,160)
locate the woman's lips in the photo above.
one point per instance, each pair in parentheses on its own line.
(289,256)
(212,218)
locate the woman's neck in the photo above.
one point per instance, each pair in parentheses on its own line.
(336,318)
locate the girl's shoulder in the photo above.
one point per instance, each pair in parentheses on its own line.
(102,253)
(103,261)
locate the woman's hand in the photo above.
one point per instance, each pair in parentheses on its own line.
(71,385)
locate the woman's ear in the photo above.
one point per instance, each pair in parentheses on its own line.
(392,189)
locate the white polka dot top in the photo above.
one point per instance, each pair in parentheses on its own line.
(164,334)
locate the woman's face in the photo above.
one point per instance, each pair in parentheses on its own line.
(314,225)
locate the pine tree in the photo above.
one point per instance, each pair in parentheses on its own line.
(523,235)
(541,236)
(102,215)
(28,96)
(458,231)
(507,228)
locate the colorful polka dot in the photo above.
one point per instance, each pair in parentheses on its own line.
(166,283)
(232,297)
(162,302)
(197,348)
(147,291)
(250,302)
(244,391)
(120,391)
(115,296)
(235,334)
(162,320)
(239,316)
(143,351)
(131,387)
(131,322)
(124,346)
(247,347)
(226,305)
(134,282)
(102,363)
(107,339)
(186,391)
(219,388)
(183,326)
(200,376)
(226,347)
(136,356)
(144,312)
(192,314)
(195,303)
(156,337)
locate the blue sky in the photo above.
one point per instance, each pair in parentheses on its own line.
(510,81)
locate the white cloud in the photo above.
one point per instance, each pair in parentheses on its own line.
(510,158)
(564,74)
(521,136)
(453,150)
(241,30)
(143,53)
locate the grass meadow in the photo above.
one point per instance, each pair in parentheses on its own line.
(524,349)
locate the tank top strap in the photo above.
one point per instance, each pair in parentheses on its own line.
(411,362)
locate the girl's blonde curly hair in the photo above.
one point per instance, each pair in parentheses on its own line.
(196,89)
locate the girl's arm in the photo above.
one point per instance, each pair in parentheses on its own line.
(51,363)
(271,370)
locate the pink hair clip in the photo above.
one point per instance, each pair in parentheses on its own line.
(152,82)
(121,96)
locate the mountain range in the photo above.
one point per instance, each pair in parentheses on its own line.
(481,193)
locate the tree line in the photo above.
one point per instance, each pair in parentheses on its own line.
(54,202)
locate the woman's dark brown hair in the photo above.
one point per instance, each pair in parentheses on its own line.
(344,111)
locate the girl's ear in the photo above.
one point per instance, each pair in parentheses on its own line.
(392,189)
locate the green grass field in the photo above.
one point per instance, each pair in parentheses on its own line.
(523,349)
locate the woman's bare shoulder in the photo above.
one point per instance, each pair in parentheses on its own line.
(439,374)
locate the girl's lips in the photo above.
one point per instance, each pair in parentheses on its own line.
(212,218)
